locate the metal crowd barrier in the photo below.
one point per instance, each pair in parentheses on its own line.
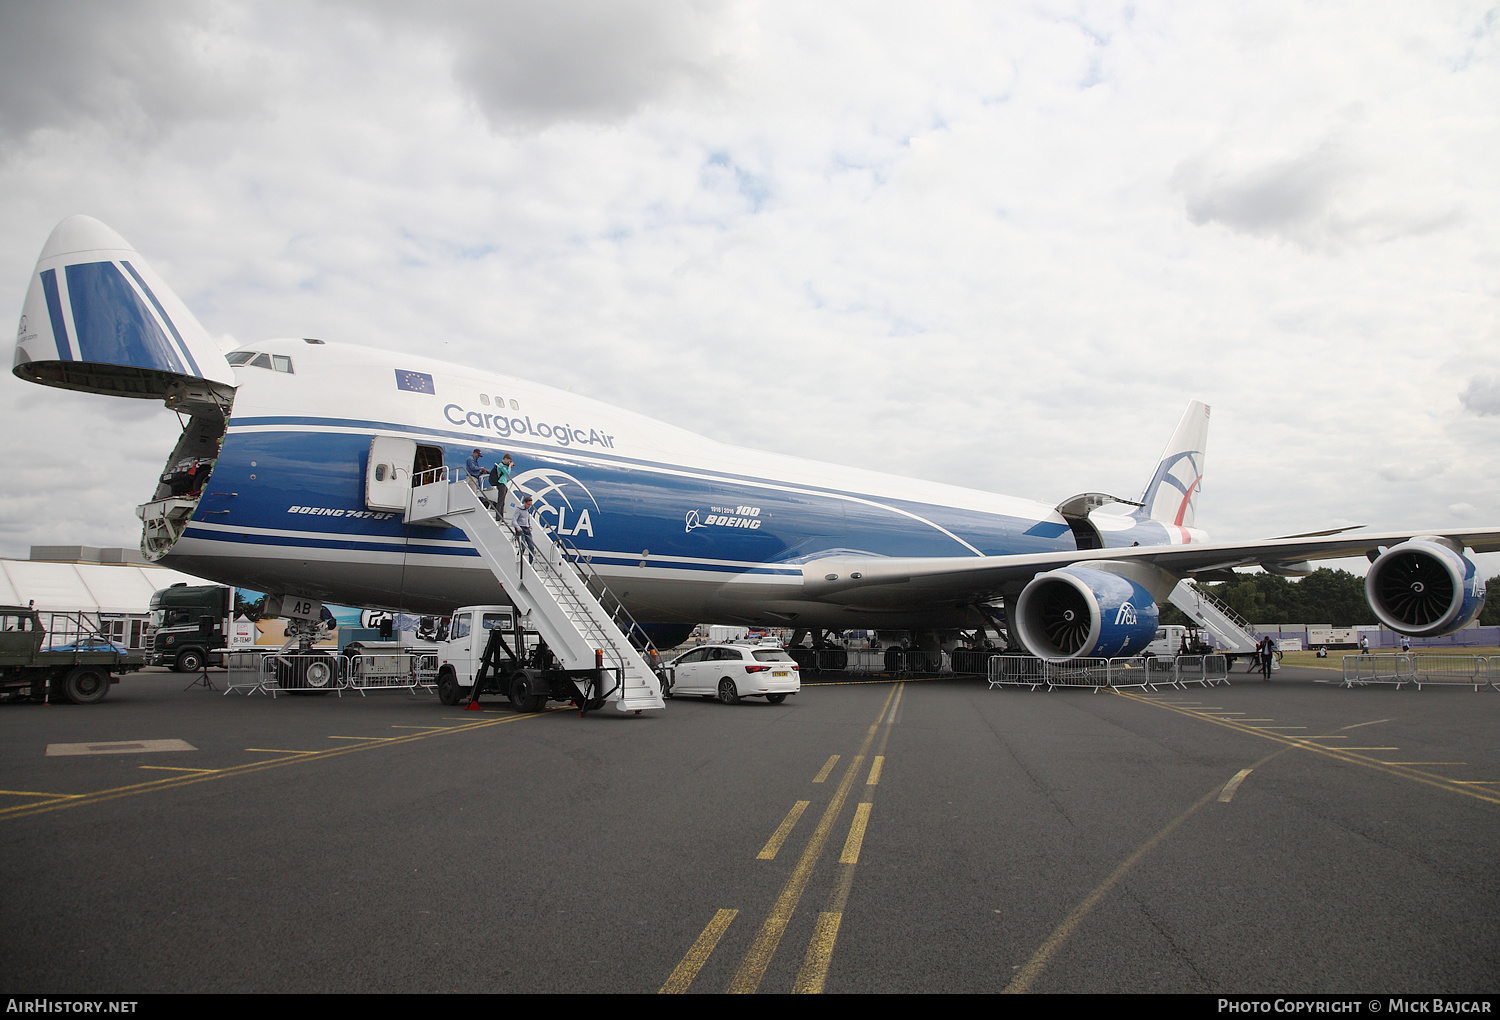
(412,671)
(1016,670)
(271,672)
(1460,670)
(1198,669)
(1378,668)
(1143,671)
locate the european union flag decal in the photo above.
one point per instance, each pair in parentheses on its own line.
(417,382)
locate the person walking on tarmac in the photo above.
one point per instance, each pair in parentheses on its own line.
(1267,655)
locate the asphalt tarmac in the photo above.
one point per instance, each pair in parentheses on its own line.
(925,836)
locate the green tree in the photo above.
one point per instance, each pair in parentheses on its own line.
(1489,616)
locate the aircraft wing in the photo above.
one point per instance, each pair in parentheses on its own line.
(876,582)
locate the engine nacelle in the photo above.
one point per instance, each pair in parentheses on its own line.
(1425,587)
(1077,612)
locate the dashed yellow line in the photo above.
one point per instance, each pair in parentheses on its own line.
(768,852)
(856,834)
(833,760)
(874,779)
(682,975)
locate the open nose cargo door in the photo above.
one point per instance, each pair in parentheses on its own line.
(97,318)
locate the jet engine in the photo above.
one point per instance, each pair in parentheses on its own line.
(1078,612)
(1425,587)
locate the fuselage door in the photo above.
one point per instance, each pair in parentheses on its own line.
(388,472)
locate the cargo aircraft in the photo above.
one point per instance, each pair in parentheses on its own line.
(295,466)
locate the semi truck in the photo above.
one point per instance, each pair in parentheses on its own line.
(180,638)
(64,658)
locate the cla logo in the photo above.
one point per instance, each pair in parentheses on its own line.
(21,332)
(549,490)
(1126,616)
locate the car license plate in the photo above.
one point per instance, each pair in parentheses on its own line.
(782,672)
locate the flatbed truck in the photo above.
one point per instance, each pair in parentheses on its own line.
(65,659)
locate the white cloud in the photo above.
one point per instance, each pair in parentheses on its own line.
(1482,396)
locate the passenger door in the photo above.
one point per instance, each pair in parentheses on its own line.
(388,472)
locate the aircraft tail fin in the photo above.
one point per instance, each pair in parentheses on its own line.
(1171,496)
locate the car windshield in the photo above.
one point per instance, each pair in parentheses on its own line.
(766,655)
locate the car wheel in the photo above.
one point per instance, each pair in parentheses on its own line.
(775,699)
(189,660)
(85,685)
(728,693)
(448,689)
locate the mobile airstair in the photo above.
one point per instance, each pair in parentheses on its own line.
(1232,630)
(550,585)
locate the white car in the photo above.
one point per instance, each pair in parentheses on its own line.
(732,672)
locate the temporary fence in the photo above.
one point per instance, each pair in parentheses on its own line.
(1459,670)
(275,672)
(1378,668)
(1422,669)
(1143,671)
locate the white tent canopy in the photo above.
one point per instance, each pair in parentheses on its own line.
(85,587)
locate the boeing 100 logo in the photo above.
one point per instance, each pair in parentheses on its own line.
(747,517)
(554,507)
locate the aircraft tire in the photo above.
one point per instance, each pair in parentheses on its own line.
(85,685)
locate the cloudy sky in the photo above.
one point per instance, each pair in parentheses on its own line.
(997,245)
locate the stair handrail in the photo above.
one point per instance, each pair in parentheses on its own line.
(581,562)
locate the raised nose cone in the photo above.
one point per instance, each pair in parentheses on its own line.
(98,318)
(78,234)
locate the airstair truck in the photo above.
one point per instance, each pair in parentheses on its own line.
(71,660)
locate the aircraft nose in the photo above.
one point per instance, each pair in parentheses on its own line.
(81,233)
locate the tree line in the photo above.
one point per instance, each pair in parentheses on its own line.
(1334,597)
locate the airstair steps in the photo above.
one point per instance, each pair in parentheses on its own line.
(563,610)
(1232,630)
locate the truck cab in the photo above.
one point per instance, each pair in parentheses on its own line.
(467,635)
(179,638)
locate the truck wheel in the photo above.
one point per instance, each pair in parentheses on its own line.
(448,689)
(522,697)
(85,685)
(189,660)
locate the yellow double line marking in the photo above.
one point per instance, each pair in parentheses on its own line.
(757,959)
(68,800)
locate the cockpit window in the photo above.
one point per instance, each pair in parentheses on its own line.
(275,362)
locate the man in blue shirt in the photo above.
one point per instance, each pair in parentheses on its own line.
(474,471)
